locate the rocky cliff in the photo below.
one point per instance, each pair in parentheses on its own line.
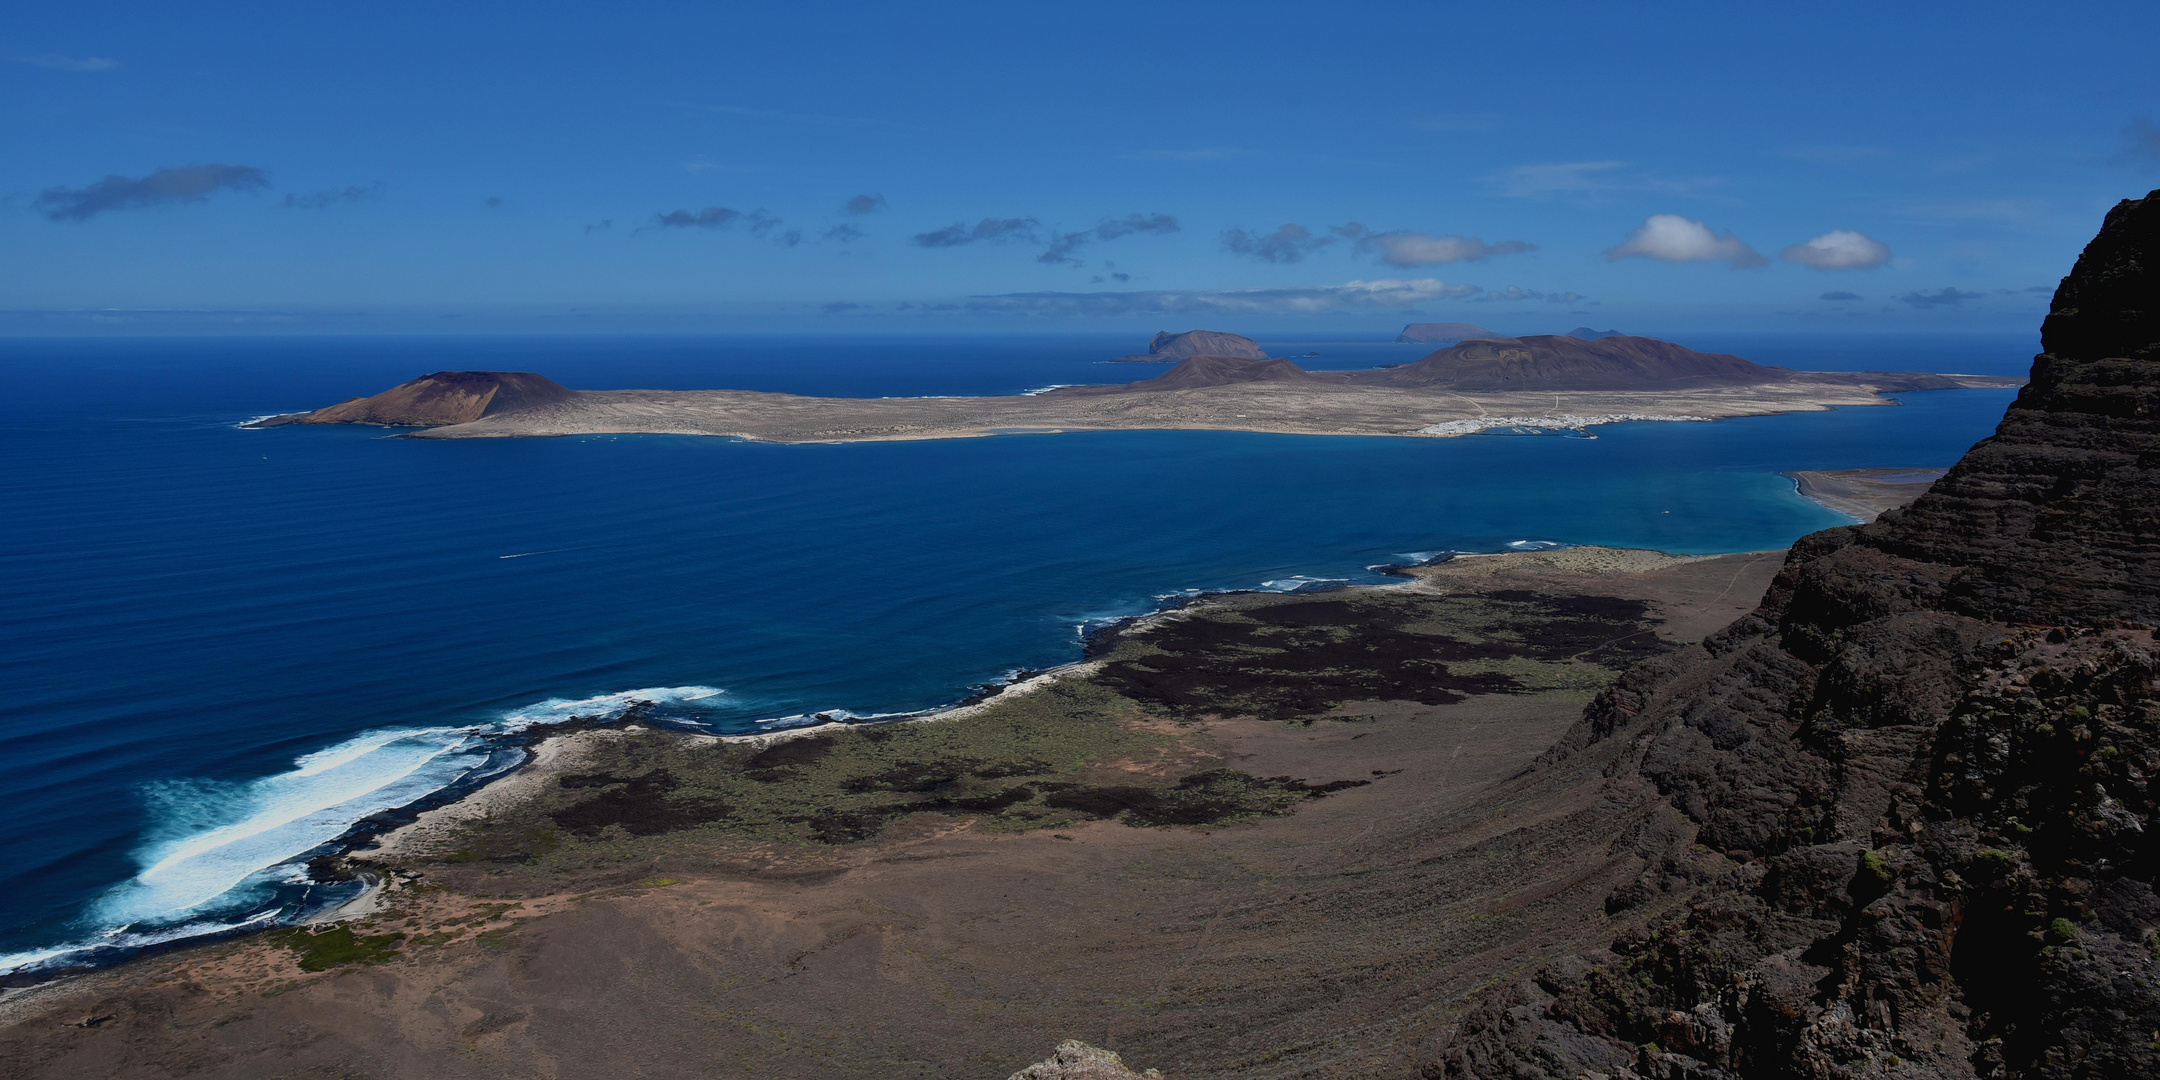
(433,400)
(1899,820)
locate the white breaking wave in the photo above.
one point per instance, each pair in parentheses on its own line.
(557,710)
(219,854)
(1300,583)
(221,838)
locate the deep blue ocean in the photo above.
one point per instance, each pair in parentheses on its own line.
(221,647)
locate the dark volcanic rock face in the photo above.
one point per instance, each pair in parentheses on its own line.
(1899,821)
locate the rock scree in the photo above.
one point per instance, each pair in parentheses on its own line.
(1900,819)
(1076,1060)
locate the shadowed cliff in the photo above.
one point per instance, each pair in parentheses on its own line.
(1899,819)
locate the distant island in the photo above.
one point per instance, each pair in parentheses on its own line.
(1172,347)
(1545,382)
(1588,334)
(1441,333)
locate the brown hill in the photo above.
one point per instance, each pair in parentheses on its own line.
(1201,371)
(1169,346)
(1437,332)
(1901,819)
(444,397)
(1559,362)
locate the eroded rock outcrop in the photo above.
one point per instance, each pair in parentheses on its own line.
(1899,820)
(1076,1060)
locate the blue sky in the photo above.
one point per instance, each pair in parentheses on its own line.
(947,167)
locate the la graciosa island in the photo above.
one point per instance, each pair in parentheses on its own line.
(1543,382)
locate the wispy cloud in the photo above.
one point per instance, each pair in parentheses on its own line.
(1591,180)
(1840,296)
(1839,249)
(164,187)
(1672,238)
(2141,143)
(839,306)
(711,217)
(1289,243)
(863,204)
(60,62)
(1398,295)
(1403,247)
(1948,297)
(324,200)
(756,222)
(843,234)
(1063,245)
(1059,246)
(988,230)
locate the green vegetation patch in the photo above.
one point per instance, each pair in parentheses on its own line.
(338,946)
(636,797)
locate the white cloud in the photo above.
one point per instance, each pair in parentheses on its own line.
(1418,249)
(1390,294)
(1672,238)
(1839,249)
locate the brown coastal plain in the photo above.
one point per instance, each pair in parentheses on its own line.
(1265,836)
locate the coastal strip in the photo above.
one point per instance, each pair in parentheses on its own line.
(1202,778)
(1864,494)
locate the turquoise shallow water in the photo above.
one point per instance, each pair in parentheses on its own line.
(225,646)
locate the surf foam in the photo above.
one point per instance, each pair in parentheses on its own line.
(219,857)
